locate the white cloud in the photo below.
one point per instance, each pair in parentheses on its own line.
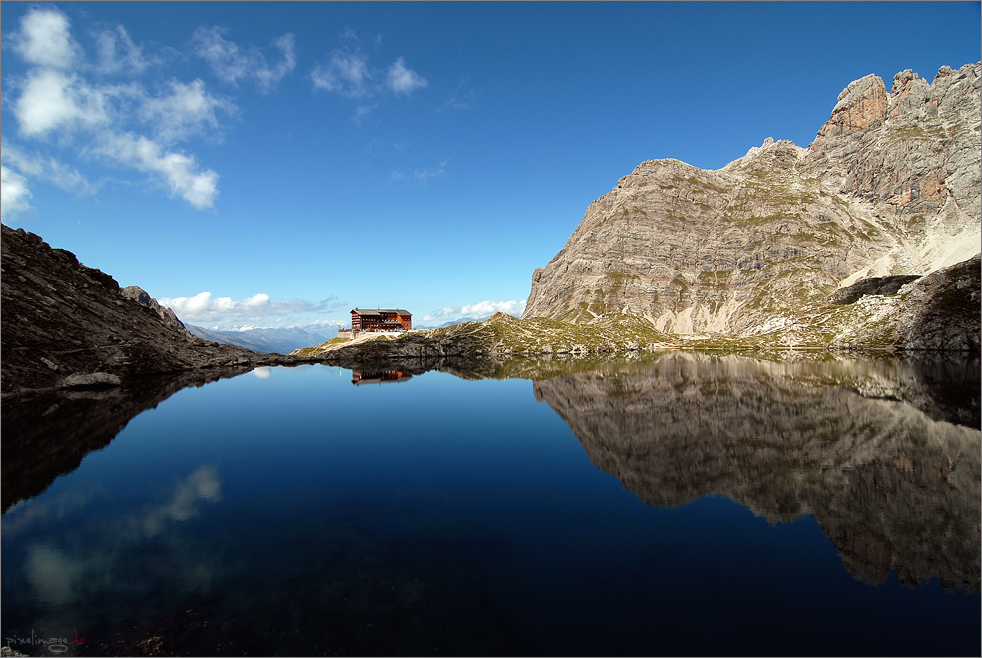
(203,308)
(186,110)
(362,112)
(14,195)
(118,54)
(460,100)
(180,172)
(45,39)
(263,372)
(346,73)
(64,176)
(50,99)
(231,63)
(480,309)
(403,80)
(63,102)
(268,77)
(423,175)
(224,57)
(55,100)
(352,75)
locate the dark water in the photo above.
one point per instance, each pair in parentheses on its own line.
(675,505)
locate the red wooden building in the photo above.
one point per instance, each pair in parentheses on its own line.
(381,319)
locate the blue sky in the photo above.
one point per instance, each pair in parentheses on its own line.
(276,164)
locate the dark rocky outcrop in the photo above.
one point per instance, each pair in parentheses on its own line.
(940,311)
(66,325)
(877,285)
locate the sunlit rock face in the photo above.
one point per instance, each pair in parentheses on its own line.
(892,486)
(890,186)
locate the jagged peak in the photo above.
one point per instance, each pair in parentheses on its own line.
(768,147)
(904,80)
(861,105)
(865,103)
(652,166)
(865,86)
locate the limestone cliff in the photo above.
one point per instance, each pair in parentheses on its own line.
(890,186)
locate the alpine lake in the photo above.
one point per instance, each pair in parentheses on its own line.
(673,503)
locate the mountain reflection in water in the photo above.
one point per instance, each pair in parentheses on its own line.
(293,513)
(48,434)
(891,487)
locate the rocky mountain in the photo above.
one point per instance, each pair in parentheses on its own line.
(940,311)
(66,325)
(890,186)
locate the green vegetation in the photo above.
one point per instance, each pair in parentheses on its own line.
(314,351)
(620,275)
(916,133)
(714,277)
(697,185)
(503,334)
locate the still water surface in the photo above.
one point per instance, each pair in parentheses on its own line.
(677,504)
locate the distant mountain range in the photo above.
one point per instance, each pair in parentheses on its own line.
(267,340)
(452,323)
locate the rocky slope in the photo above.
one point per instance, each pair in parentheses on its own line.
(890,186)
(66,325)
(936,312)
(940,311)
